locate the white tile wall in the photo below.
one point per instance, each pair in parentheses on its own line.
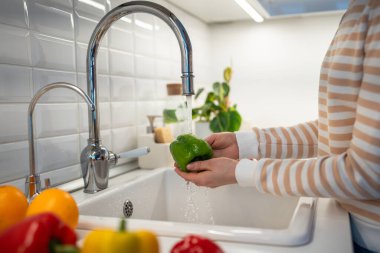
(123,114)
(144,44)
(56,119)
(96,9)
(15,83)
(124,138)
(41,77)
(60,18)
(14,14)
(145,108)
(45,41)
(121,63)
(15,46)
(121,39)
(145,66)
(145,89)
(57,152)
(14,160)
(13,125)
(122,88)
(52,53)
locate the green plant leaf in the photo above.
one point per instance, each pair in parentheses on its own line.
(216,109)
(226,122)
(227,74)
(199,92)
(206,111)
(226,89)
(195,112)
(235,121)
(170,116)
(216,87)
(210,97)
(219,123)
(221,90)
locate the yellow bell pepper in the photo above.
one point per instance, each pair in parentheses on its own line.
(110,241)
(148,241)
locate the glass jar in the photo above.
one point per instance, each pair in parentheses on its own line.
(174,113)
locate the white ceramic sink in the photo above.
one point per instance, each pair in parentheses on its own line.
(163,202)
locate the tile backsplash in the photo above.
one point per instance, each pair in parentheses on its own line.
(45,41)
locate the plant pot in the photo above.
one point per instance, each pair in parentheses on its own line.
(202,129)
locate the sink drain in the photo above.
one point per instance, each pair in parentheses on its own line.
(127,208)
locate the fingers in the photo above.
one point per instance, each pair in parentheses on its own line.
(193,167)
(187,176)
(199,166)
(210,173)
(210,139)
(199,179)
(218,153)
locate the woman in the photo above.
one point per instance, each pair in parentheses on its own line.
(342,148)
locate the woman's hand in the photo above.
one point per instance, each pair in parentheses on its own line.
(211,173)
(224,145)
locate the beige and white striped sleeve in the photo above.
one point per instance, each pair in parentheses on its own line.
(352,174)
(298,141)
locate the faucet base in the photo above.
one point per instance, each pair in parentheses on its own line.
(32,186)
(91,191)
(96,162)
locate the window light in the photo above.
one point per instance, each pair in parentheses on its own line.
(250,10)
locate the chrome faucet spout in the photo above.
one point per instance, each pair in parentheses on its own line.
(103,26)
(96,159)
(33,184)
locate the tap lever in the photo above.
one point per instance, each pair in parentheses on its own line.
(47,183)
(134,153)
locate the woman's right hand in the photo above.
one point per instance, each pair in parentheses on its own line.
(224,145)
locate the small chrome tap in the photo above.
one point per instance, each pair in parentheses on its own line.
(33,182)
(95,158)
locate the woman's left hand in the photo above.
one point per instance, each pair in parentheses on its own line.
(211,173)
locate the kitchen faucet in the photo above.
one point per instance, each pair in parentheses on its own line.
(95,158)
(33,182)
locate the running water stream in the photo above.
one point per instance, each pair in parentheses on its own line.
(192,207)
(189,115)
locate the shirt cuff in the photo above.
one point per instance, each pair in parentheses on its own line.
(248,145)
(245,172)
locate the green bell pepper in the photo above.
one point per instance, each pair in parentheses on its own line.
(187,148)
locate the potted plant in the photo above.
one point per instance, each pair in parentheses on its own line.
(216,114)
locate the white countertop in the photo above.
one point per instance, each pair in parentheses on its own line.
(331,233)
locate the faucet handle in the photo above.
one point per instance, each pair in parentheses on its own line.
(47,183)
(114,158)
(134,153)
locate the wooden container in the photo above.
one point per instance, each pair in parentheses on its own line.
(174,89)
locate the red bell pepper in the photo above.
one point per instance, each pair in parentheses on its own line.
(196,244)
(42,233)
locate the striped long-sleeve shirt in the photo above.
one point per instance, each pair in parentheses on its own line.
(337,155)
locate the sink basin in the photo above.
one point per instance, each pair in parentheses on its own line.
(165,203)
